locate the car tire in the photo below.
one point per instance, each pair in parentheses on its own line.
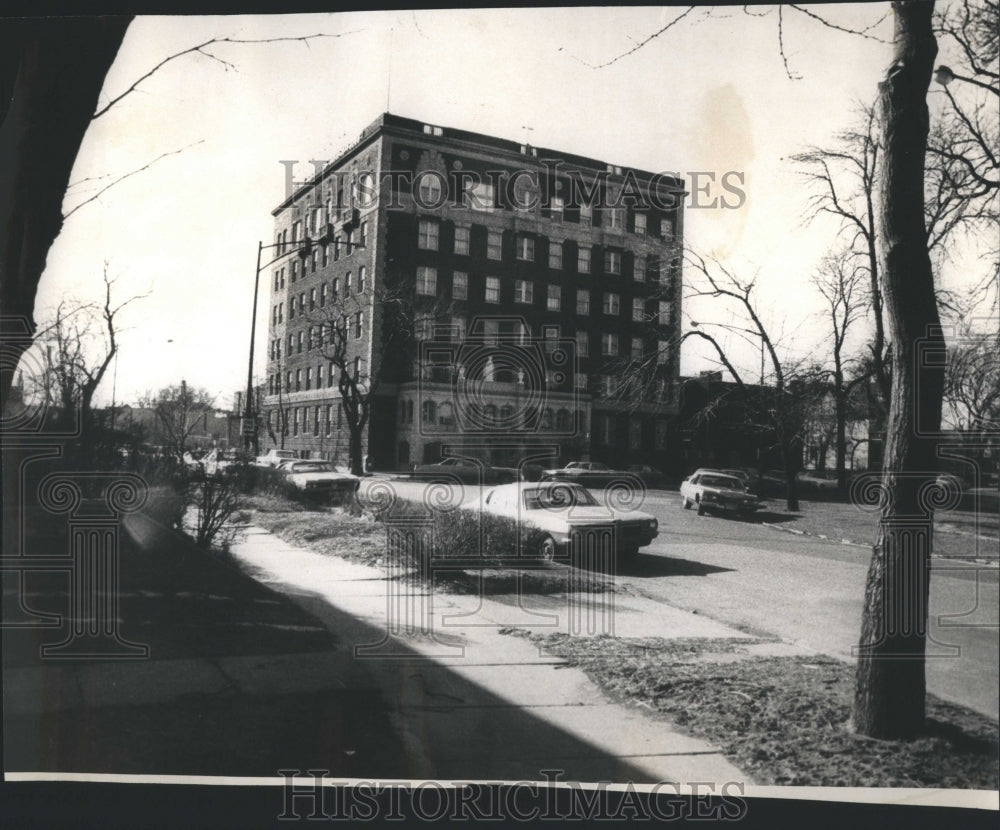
(547,549)
(701,509)
(685,503)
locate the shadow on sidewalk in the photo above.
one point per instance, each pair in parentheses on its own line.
(202,617)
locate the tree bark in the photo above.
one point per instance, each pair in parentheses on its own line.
(891,686)
(50,77)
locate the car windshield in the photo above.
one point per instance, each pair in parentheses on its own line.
(314,467)
(724,482)
(557,498)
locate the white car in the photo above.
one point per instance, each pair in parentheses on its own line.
(714,490)
(217,461)
(318,478)
(555,516)
(273,457)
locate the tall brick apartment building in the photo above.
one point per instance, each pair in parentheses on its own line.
(501,301)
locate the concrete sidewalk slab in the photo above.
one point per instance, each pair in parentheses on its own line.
(485,704)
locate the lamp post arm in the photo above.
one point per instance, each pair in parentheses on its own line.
(250,438)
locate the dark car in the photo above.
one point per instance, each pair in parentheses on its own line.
(588,473)
(649,476)
(465,470)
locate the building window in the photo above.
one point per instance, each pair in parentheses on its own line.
(458,327)
(494,245)
(523,291)
(663,352)
(298,344)
(302,303)
(291,308)
(298,380)
(295,421)
(281,310)
(551,336)
(315,259)
(295,270)
(296,232)
(557,208)
(634,433)
(582,344)
(609,345)
(583,259)
(291,343)
(363,242)
(326,255)
(653,268)
(322,296)
(277,280)
(288,382)
(491,331)
(427,280)
(664,315)
(347,284)
(309,378)
(309,339)
(327,422)
(423,327)
(555,254)
(427,235)
(638,309)
(666,229)
(638,269)
(362,274)
(586,215)
(357,368)
(636,347)
(480,197)
(580,382)
(662,390)
(552,302)
(460,285)
(615,222)
(462,236)
(612,303)
(608,429)
(429,190)
(526,248)
(640,224)
(358,320)
(312,299)
(492,289)
(336,248)
(582,302)
(612,262)
(335,288)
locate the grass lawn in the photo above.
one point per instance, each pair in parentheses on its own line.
(958,534)
(362,539)
(781,719)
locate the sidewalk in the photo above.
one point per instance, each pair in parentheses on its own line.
(471,701)
(241,681)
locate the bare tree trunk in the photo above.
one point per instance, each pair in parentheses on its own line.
(840,407)
(891,685)
(53,72)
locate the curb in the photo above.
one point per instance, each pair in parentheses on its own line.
(988,562)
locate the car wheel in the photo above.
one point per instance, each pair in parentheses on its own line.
(701,509)
(686,503)
(547,549)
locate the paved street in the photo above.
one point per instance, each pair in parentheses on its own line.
(807,591)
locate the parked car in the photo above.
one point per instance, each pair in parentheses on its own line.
(649,476)
(218,461)
(317,478)
(466,471)
(587,473)
(554,514)
(749,476)
(273,457)
(822,481)
(714,490)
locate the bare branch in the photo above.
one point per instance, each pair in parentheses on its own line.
(146,166)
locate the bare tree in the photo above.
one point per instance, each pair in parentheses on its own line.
(843,183)
(78,346)
(841,281)
(972,385)
(179,411)
(718,282)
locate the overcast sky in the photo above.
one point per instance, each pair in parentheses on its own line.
(710,94)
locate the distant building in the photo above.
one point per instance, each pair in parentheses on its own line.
(531,288)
